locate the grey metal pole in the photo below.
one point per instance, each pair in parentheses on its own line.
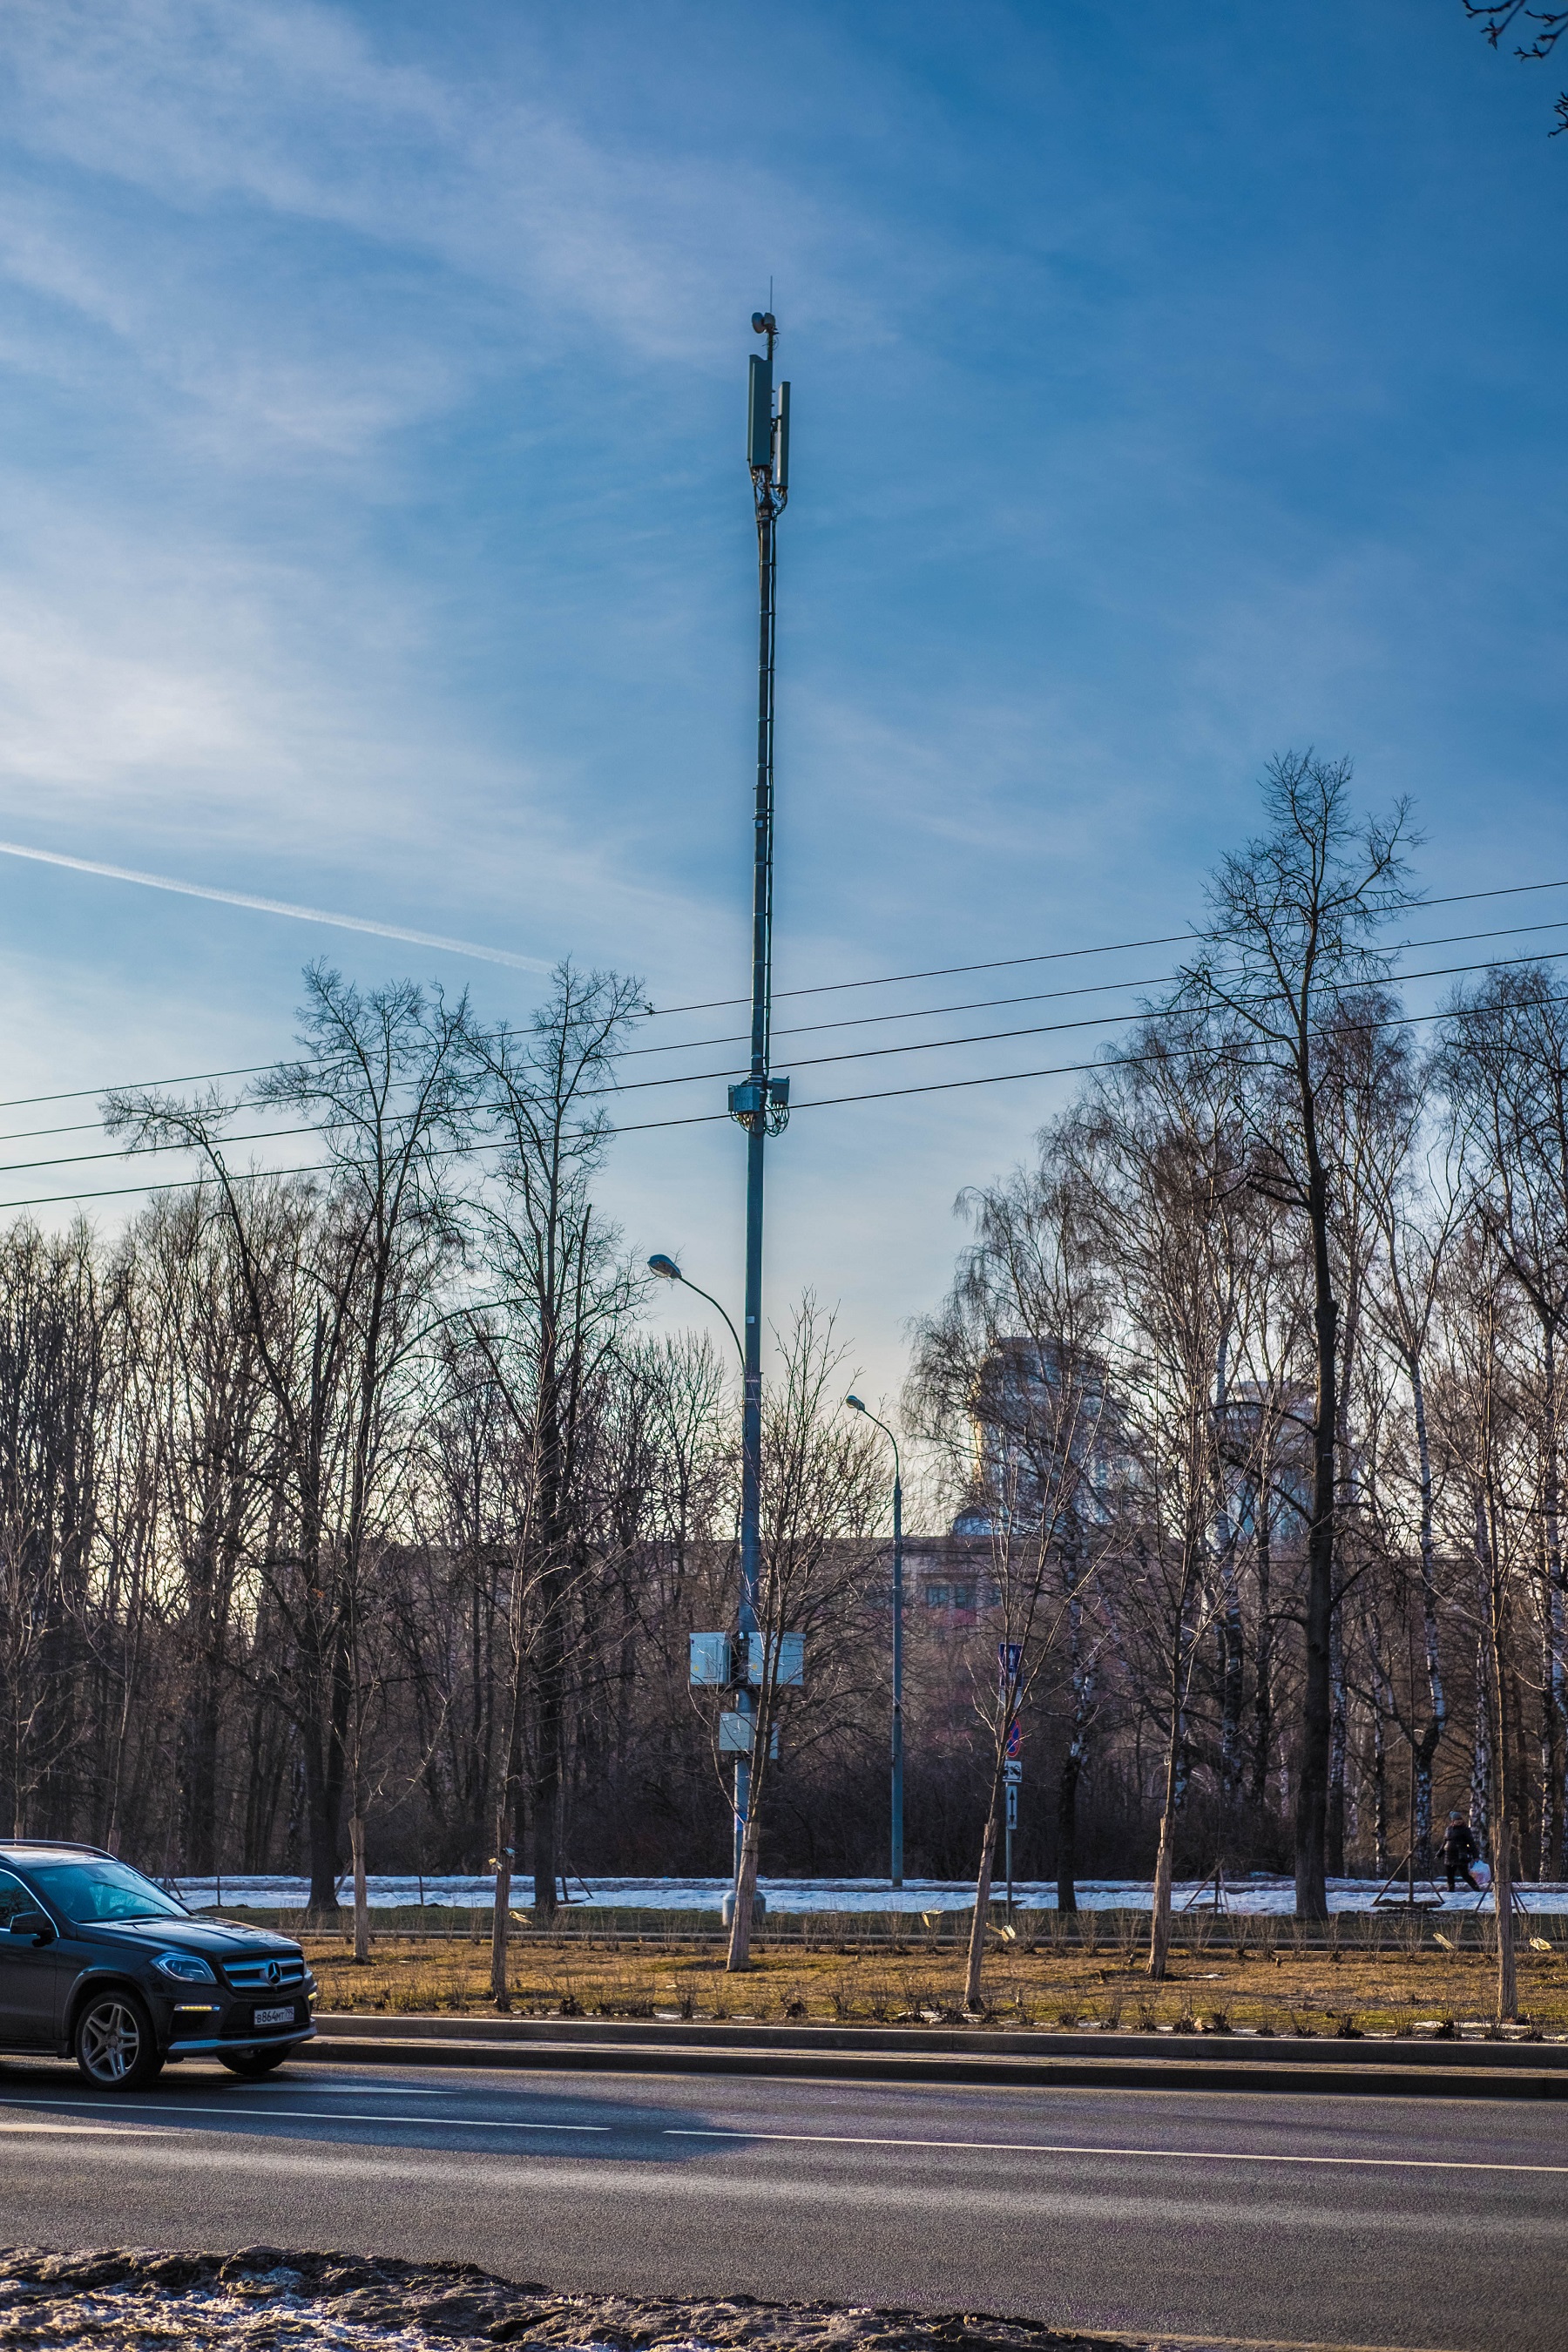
(751,1462)
(897,1872)
(761,1105)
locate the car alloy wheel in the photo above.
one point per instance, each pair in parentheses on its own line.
(114,2045)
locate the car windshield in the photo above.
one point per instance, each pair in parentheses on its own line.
(103,1890)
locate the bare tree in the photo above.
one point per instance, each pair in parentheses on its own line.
(1009,1384)
(334,1287)
(1537,33)
(823,1492)
(55,1408)
(1505,1069)
(195,1359)
(1417,1200)
(1487,1442)
(1167,1198)
(1291,925)
(567,1296)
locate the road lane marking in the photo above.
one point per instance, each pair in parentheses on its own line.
(98,2131)
(317,2115)
(361,2090)
(1269,2344)
(1160,2155)
(169,2117)
(656,2187)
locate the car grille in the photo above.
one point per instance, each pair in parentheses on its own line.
(258,1976)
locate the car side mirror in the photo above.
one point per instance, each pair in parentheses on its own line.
(37,1924)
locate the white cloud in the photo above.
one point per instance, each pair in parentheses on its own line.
(288,111)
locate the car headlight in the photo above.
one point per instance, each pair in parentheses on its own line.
(189,1967)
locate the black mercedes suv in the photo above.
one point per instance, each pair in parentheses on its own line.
(98,1963)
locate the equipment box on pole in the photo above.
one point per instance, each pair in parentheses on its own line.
(712,1660)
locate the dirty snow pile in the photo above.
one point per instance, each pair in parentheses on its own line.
(263,2300)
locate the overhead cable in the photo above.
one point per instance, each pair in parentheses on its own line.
(819,1061)
(890,980)
(823,1102)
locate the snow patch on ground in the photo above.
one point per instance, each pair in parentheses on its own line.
(1258,1896)
(262,2300)
(261,2315)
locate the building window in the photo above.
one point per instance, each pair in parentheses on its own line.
(964,1596)
(937,1596)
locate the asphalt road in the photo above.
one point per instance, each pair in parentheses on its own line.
(1216,2216)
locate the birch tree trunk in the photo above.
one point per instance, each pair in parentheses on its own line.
(507,1806)
(1502,1819)
(1263,1646)
(1553,1822)
(1317,1701)
(1432,1731)
(1339,1736)
(1175,1750)
(361,1891)
(1502,1902)
(982,1902)
(1481,1751)
(1160,1924)
(739,1952)
(500,1917)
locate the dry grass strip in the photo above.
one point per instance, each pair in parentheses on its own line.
(1219,1982)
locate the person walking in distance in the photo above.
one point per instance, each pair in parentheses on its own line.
(1459,1851)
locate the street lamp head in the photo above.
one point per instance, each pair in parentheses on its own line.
(665,1268)
(854,1404)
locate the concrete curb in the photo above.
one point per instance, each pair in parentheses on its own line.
(1398,2070)
(927,2042)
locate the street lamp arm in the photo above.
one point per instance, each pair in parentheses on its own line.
(864,1412)
(728,1325)
(670,1272)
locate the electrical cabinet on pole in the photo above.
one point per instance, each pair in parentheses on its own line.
(760,1104)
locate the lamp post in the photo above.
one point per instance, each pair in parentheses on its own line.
(895,1839)
(668,1271)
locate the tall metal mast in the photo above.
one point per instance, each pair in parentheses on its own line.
(761,1102)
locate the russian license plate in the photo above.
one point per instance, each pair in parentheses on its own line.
(275,2016)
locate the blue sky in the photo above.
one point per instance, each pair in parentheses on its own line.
(1172,386)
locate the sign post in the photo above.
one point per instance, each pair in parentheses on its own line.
(1009,1669)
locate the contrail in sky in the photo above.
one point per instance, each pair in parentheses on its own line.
(276,906)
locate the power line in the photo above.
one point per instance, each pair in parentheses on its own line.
(937,971)
(1049,995)
(1127,1061)
(821,1061)
(175,1184)
(139,1151)
(913,1012)
(815,1028)
(256,1069)
(191,1078)
(1054,955)
(1050,1028)
(809,1029)
(714,1118)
